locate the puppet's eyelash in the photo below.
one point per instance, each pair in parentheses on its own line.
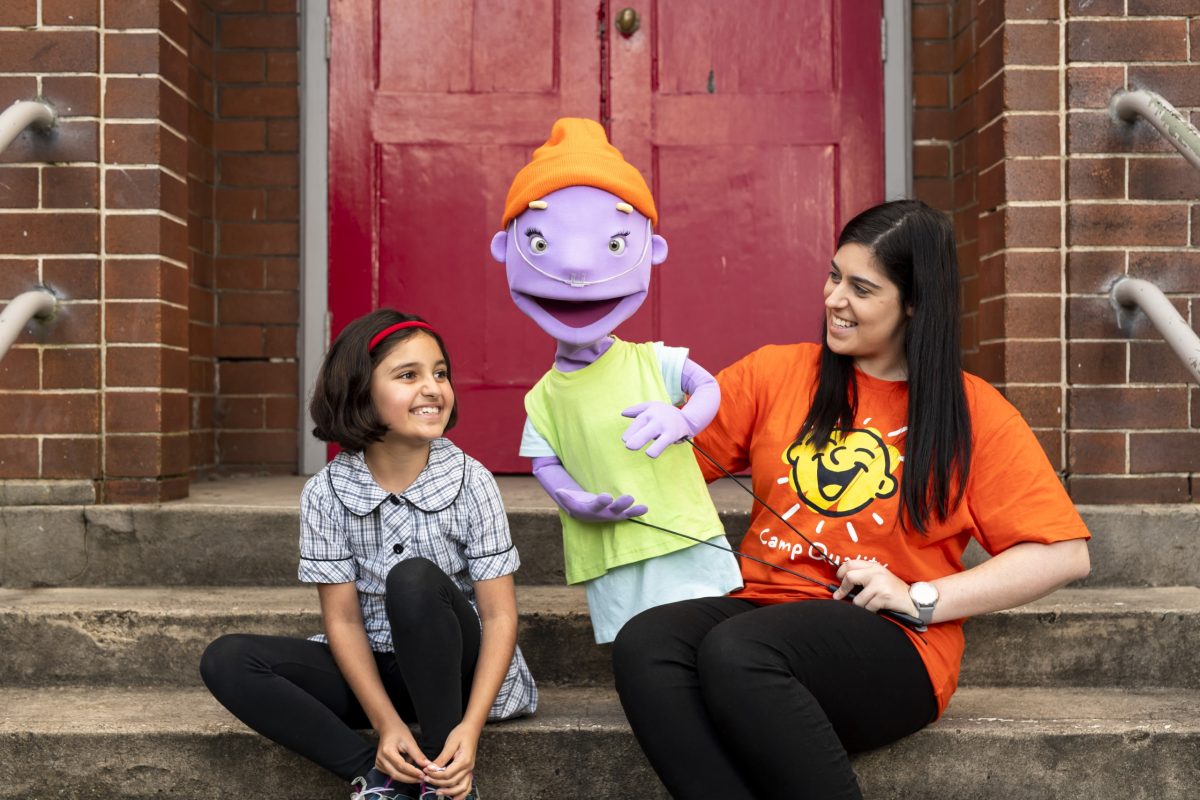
(622,233)
(533,232)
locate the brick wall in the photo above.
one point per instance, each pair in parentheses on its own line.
(103,226)
(1053,201)
(1132,208)
(163,211)
(257,269)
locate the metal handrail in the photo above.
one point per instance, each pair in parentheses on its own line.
(20,115)
(1166,119)
(1131,294)
(36,304)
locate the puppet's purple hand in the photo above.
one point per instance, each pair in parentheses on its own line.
(597,507)
(662,422)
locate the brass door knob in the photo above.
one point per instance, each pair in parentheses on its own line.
(628,21)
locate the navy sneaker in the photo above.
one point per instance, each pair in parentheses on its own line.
(360,790)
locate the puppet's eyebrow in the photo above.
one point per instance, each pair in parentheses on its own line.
(625,208)
(539,205)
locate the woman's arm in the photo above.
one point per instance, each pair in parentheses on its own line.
(342,616)
(497,602)
(1020,574)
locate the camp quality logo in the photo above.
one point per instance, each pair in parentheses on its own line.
(856,468)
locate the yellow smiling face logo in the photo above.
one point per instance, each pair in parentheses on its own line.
(853,470)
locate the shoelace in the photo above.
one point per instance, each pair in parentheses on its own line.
(373,793)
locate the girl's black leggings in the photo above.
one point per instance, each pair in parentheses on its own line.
(291,691)
(737,701)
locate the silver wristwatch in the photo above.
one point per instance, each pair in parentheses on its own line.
(925,597)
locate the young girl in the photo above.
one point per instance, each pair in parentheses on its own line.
(890,460)
(408,543)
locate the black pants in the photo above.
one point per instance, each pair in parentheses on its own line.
(291,691)
(732,700)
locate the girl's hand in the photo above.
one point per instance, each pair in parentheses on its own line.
(457,762)
(880,588)
(399,756)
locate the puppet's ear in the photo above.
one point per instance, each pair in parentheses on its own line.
(658,249)
(500,246)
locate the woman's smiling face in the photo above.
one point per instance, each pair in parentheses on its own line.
(864,316)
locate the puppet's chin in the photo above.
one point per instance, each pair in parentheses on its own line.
(578,322)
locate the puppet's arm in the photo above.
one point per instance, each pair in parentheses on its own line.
(578,503)
(666,424)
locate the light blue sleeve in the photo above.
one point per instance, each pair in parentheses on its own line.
(671,361)
(533,444)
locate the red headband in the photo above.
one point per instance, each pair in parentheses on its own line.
(389,330)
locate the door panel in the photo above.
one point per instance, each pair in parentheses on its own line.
(428,125)
(758,126)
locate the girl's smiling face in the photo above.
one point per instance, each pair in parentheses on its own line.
(864,317)
(411,391)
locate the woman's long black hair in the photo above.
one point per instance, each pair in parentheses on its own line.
(914,244)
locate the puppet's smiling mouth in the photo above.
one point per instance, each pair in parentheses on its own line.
(577,313)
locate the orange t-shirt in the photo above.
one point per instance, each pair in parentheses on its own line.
(846,499)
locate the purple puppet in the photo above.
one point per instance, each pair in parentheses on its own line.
(578,245)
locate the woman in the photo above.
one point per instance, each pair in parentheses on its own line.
(881,451)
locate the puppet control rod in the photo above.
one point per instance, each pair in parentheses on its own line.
(906,620)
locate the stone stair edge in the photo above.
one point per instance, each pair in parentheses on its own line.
(992,744)
(531,599)
(71,710)
(155,635)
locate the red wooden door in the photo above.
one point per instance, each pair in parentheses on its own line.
(758,124)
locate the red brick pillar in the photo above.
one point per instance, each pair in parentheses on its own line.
(144,243)
(1022,257)
(257,269)
(989,151)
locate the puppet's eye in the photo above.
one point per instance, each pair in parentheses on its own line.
(537,244)
(616,245)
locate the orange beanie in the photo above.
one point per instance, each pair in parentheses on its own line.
(578,154)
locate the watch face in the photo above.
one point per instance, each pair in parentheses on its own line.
(923,594)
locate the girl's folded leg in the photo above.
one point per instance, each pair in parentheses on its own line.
(437,636)
(291,691)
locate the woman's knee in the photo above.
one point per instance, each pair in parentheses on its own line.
(732,662)
(639,641)
(726,654)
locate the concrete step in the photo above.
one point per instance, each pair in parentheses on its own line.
(992,744)
(155,635)
(190,542)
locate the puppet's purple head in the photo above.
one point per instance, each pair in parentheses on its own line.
(577,241)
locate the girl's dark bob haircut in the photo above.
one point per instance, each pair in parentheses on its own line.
(341,406)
